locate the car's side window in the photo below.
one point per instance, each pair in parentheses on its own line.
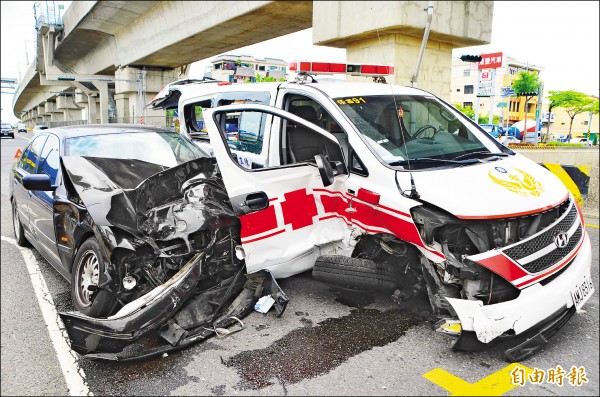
(194,118)
(244,133)
(301,144)
(31,154)
(49,159)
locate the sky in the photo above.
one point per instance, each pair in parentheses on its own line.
(561,37)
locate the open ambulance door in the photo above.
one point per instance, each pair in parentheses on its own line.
(281,204)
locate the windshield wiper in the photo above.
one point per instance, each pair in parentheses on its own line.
(422,160)
(480,154)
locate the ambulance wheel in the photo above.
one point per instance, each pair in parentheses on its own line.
(353,273)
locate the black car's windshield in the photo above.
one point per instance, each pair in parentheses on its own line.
(164,148)
(403,128)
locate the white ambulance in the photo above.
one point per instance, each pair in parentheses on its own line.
(382,186)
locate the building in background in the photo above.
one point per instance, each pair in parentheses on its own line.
(243,68)
(464,85)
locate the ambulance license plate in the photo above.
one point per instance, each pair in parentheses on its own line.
(582,291)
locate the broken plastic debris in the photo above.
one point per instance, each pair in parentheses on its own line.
(264,304)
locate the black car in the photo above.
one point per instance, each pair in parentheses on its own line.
(138,220)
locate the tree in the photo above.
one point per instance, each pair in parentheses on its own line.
(467,111)
(554,100)
(574,102)
(470,113)
(526,84)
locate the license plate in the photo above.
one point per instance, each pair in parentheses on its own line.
(582,291)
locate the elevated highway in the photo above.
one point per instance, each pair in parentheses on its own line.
(104,54)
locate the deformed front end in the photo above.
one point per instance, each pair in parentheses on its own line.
(515,280)
(169,236)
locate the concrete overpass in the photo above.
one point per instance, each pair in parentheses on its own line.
(104,53)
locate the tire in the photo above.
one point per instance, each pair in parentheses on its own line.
(88,270)
(353,273)
(18,227)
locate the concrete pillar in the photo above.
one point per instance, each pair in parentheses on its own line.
(123,115)
(91,109)
(126,92)
(103,90)
(391,32)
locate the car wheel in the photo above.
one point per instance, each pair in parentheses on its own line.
(354,273)
(17,227)
(87,274)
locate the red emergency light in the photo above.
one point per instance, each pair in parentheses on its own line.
(340,68)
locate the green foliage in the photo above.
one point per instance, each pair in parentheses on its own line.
(565,144)
(467,111)
(526,82)
(574,102)
(470,113)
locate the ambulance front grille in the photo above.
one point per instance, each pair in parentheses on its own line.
(545,239)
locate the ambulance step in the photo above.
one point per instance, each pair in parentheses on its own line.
(353,273)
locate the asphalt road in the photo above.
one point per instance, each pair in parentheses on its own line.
(328,342)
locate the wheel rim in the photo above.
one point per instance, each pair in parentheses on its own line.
(87,276)
(16,222)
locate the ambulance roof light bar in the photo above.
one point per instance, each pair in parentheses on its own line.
(378,72)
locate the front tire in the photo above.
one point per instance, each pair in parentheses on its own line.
(87,274)
(18,227)
(354,273)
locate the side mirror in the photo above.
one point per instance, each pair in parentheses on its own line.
(38,182)
(325,169)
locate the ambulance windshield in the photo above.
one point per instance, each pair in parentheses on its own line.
(404,128)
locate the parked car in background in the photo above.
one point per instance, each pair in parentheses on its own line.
(507,140)
(581,140)
(493,129)
(7,130)
(21,127)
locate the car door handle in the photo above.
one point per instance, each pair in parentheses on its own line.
(250,202)
(256,201)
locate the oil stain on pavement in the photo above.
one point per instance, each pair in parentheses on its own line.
(310,351)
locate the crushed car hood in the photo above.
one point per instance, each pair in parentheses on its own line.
(508,187)
(116,191)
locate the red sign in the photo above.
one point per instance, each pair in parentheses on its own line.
(490,61)
(485,75)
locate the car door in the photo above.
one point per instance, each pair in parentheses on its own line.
(41,203)
(25,166)
(284,224)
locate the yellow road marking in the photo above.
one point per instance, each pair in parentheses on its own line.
(592,225)
(495,384)
(558,170)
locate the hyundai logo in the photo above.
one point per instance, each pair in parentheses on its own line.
(500,169)
(561,240)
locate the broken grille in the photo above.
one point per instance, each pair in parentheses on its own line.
(546,239)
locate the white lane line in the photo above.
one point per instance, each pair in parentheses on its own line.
(74,376)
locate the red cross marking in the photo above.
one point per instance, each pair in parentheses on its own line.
(299,209)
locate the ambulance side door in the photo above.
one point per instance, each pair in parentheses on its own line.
(278,205)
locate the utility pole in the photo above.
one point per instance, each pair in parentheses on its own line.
(140,77)
(538,113)
(491,120)
(477,93)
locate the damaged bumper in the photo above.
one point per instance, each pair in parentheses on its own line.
(179,313)
(538,310)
